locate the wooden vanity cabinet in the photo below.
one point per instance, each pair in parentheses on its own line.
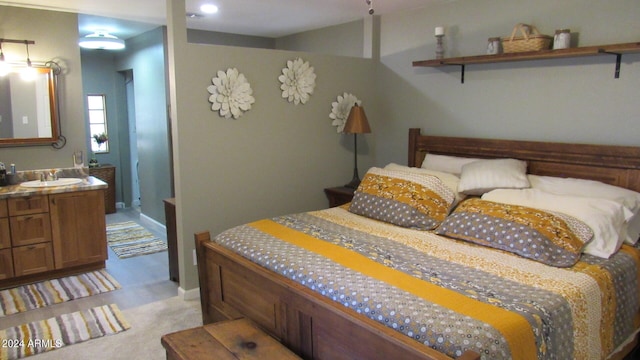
(6,264)
(6,258)
(47,236)
(78,228)
(5,230)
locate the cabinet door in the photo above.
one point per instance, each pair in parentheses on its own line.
(32,259)
(78,228)
(3,208)
(5,233)
(6,264)
(30,229)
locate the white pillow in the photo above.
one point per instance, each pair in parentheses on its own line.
(450,181)
(591,188)
(605,217)
(446,163)
(481,176)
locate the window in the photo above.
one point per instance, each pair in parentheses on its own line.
(98,123)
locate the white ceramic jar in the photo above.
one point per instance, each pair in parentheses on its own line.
(562,39)
(494,46)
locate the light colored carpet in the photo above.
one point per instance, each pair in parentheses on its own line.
(45,293)
(142,341)
(52,334)
(128,239)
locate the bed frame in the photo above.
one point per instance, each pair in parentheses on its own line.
(315,327)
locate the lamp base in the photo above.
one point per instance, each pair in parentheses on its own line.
(353,184)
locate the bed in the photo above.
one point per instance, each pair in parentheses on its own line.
(355,287)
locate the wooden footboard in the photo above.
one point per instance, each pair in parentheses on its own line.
(312,326)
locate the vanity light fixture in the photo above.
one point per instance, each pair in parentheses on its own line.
(6,67)
(101,40)
(28,73)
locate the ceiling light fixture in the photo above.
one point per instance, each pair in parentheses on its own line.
(101,40)
(209,8)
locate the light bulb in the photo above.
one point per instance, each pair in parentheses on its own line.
(5,68)
(28,73)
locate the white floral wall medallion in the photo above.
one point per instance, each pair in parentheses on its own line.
(231,94)
(340,110)
(298,80)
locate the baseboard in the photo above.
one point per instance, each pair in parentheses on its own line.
(152,224)
(192,294)
(119,205)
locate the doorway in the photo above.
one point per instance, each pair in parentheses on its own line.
(130,158)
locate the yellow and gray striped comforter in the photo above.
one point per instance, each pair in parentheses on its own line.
(452,295)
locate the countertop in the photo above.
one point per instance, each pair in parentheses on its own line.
(88,183)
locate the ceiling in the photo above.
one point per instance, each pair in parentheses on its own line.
(268,18)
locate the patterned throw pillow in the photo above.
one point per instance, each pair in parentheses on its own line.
(402,198)
(551,238)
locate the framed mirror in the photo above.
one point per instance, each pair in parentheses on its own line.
(29,106)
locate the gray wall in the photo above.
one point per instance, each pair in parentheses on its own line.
(6,117)
(276,158)
(22,100)
(345,40)
(218,38)
(57,43)
(570,100)
(146,57)
(99,77)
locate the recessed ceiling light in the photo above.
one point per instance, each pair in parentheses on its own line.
(209,8)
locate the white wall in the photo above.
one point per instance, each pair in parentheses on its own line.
(571,100)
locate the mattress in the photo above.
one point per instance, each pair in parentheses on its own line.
(451,295)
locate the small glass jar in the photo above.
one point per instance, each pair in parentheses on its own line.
(494,46)
(562,39)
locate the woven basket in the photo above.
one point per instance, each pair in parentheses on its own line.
(529,41)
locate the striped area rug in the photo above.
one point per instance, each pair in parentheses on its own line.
(128,239)
(45,293)
(46,335)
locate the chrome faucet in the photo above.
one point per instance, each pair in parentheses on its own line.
(50,176)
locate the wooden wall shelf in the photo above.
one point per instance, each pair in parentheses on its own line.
(616,49)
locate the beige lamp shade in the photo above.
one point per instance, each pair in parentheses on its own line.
(357,121)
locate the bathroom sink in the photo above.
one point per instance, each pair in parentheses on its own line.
(51,183)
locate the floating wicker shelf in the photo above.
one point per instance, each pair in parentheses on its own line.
(615,49)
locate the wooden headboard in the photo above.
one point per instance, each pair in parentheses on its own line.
(611,164)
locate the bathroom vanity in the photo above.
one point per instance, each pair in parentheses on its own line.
(51,231)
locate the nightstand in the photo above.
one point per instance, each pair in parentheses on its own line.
(339,195)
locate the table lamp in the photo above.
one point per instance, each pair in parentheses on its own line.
(356,124)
